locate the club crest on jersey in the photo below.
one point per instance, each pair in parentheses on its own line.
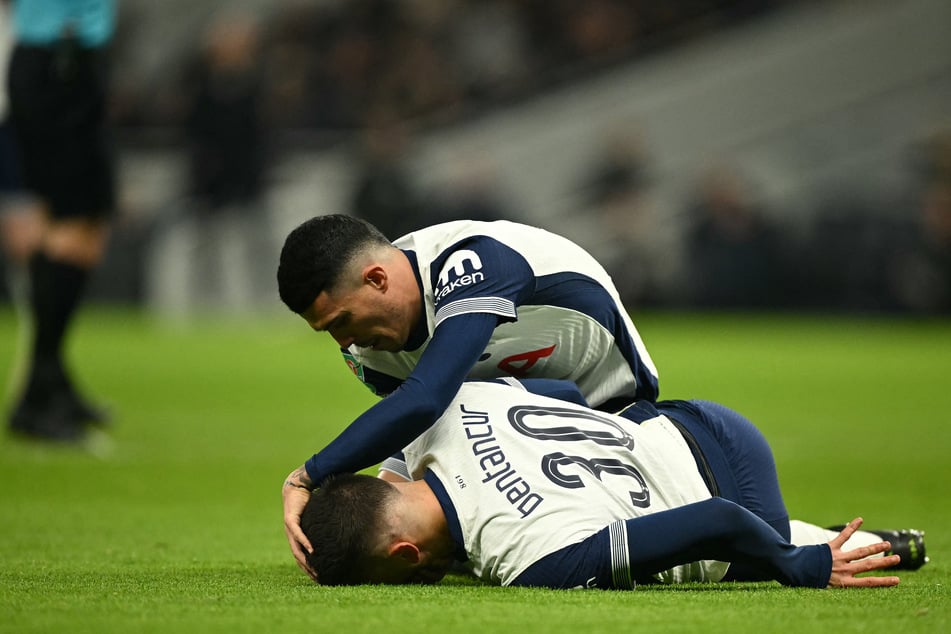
(355,366)
(462,268)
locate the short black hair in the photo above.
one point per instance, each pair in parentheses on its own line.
(343,521)
(316,253)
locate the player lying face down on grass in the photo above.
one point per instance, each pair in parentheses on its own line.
(536,491)
(414,318)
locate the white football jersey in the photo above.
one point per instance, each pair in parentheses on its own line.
(528,475)
(561,314)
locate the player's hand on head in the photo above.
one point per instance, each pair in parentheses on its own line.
(847,564)
(295,494)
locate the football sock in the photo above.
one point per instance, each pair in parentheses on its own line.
(803,534)
(56,288)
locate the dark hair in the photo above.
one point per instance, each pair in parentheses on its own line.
(343,520)
(316,253)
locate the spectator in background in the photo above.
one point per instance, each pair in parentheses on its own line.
(919,270)
(490,49)
(842,262)
(228,155)
(301,94)
(334,62)
(225,132)
(884,249)
(57,82)
(600,31)
(416,80)
(473,191)
(923,280)
(385,194)
(629,235)
(733,250)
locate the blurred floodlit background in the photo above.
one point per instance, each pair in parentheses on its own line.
(789,154)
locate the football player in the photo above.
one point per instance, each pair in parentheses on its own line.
(464,299)
(542,492)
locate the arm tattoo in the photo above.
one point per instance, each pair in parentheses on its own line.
(300,480)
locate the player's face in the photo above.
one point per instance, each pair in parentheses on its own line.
(363,316)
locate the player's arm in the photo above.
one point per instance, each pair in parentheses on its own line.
(722,530)
(391,424)
(295,494)
(465,314)
(634,550)
(397,420)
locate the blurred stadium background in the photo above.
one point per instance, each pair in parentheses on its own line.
(777,155)
(791,154)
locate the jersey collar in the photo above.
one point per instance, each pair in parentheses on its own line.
(420,332)
(452,518)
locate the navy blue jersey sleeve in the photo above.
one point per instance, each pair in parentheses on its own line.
(480,274)
(631,551)
(390,425)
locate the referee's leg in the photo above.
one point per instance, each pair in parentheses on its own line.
(66,159)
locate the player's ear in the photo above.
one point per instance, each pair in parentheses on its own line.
(375,275)
(408,552)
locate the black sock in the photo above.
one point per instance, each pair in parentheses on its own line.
(56,288)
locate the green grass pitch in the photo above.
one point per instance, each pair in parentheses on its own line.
(174,524)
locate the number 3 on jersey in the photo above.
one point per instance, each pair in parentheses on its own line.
(554,465)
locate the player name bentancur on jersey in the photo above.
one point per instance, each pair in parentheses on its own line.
(493,464)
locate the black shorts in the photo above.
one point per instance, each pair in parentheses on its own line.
(9,172)
(58,112)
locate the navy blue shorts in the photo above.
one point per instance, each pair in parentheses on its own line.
(738,455)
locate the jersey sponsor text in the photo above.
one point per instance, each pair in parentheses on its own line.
(454,272)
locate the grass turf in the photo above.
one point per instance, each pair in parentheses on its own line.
(173,522)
